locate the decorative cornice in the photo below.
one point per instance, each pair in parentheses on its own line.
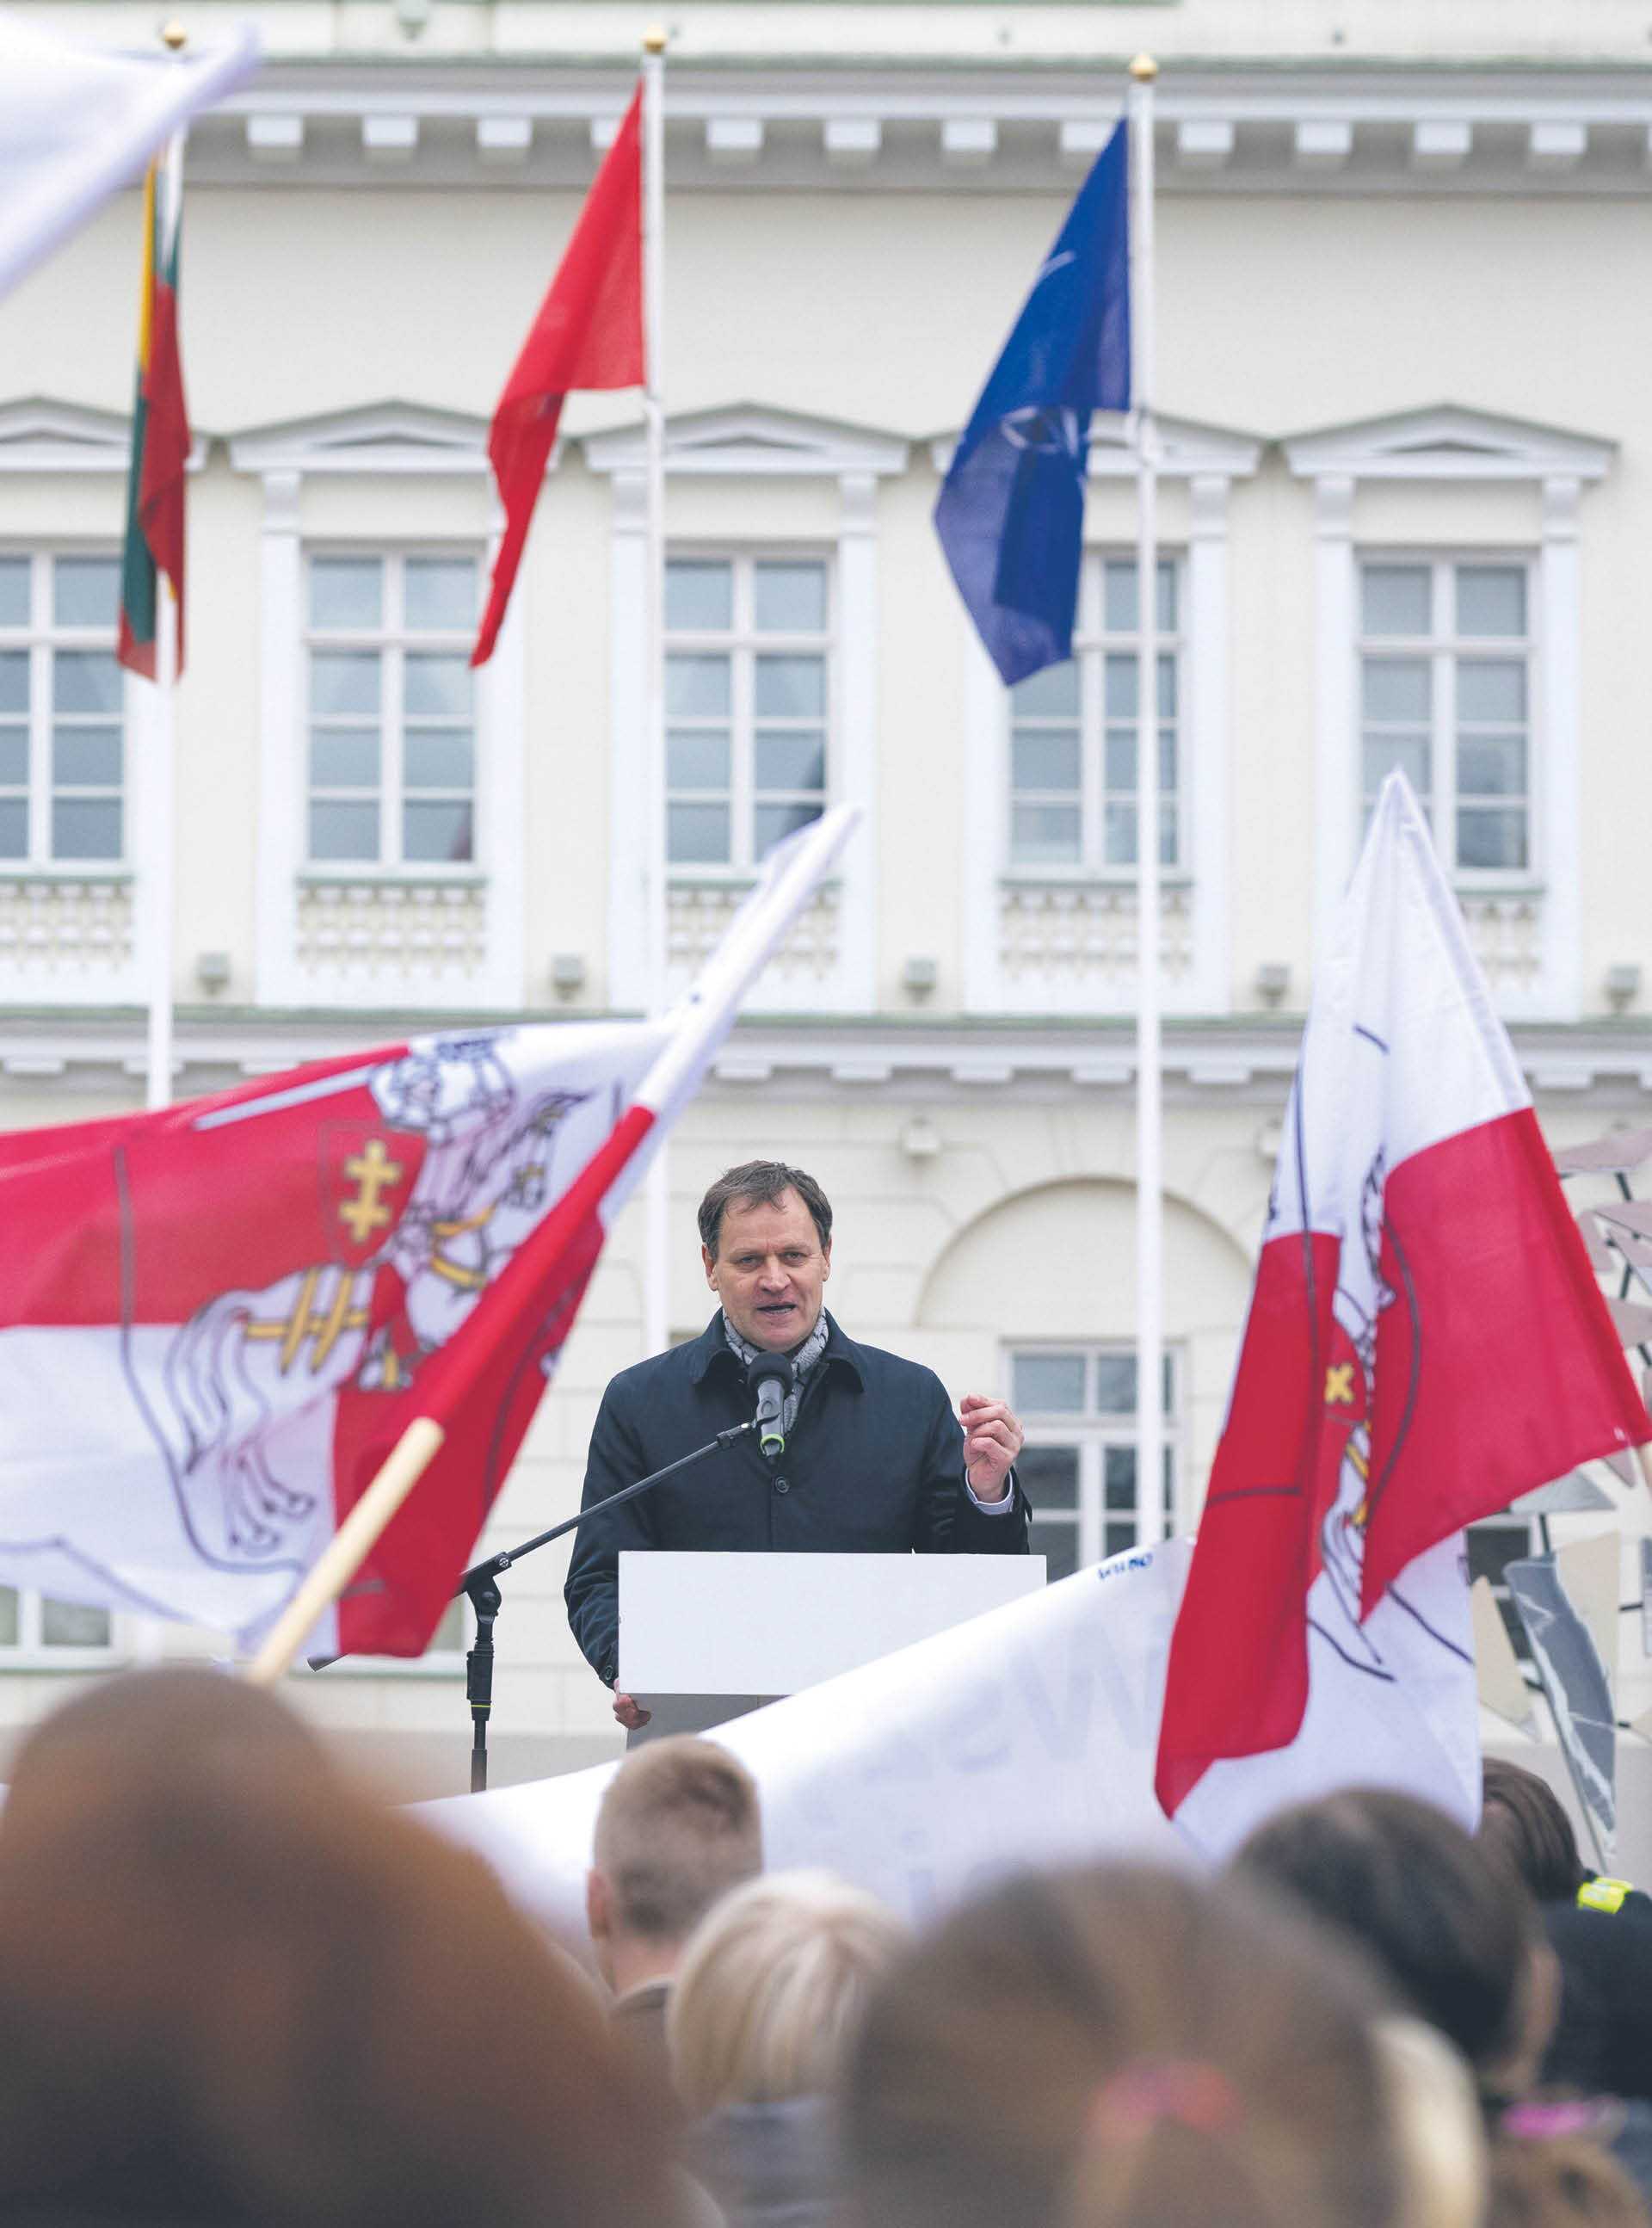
(380,437)
(1447,442)
(1220,1062)
(747,438)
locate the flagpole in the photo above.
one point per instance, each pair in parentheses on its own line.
(161,780)
(160,847)
(657,1187)
(1149,1126)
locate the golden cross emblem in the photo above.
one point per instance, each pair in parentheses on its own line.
(1339,1385)
(374,1172)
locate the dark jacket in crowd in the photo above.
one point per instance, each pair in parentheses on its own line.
(872,1465)
(771,2165)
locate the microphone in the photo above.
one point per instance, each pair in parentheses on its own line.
(769,1377)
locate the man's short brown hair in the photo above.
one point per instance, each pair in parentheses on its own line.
(677,1828)
(762,1183)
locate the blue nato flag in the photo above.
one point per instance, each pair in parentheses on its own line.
(1011,516)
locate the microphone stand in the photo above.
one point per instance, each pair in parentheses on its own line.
(480,1587)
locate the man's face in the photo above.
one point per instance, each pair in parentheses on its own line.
(769,1271)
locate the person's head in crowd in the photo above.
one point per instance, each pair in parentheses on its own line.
(1602,2044)
(1120,2047)
(233,1991)
(772,1988)
(677,1828)
(1560,2183)
(1523,1822)
(1447,1922)
(769,1997)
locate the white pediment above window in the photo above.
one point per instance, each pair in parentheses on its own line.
(384,437)
(1448,442)
(39,435)
(746,439)
(1186,450)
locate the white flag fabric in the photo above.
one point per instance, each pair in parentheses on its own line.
(78,122)
(217,1319)
(1427,1340)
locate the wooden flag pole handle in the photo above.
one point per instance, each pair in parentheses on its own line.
(1645,1463)
(349,1548)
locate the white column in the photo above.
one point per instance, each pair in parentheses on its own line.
(629,838)
(502,804)
(985,846)
(281,845)
(1558,857)
(1206,740)
(1336,733)
(856,737)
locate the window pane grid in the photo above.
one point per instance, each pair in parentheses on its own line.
(392,720)
(748,704)
(1077,1404)
(1075,728)
(62,710)
(1446,687)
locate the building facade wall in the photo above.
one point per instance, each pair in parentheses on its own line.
(346,328)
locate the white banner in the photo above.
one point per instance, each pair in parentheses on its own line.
(1026,1737)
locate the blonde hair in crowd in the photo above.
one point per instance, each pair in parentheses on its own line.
(771,1990)
(1435,2107)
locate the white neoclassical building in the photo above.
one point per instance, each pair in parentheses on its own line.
(1406,512)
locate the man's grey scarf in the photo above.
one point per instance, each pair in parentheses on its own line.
(802,1362)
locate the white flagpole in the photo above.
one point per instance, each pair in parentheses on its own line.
(160,777)
(657,1187)
(160,847)
(1150,1139)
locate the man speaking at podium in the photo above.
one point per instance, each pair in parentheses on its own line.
(873,1460)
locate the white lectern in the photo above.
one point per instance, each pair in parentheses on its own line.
(705,1638)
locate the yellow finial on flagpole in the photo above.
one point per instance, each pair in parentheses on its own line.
(1145,69)
(656,39)
(173,34)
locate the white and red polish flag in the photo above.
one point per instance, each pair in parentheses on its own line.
(217,1320)
(1427,1340)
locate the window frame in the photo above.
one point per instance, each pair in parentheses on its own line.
(1092,1431)
(31,1652)
(743,645)
(394,643)
(42,639)
(1445,649)
(1093,642)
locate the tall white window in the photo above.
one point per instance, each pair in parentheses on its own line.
(1075,729)
(62,738)
(1445,694)
(749,687)
(392,731)
(1077,1405)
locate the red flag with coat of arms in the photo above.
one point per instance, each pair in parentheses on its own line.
(1426,1341)
(216,1320)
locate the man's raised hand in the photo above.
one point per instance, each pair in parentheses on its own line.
(992,1439)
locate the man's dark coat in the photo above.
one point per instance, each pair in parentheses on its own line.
(874,1465)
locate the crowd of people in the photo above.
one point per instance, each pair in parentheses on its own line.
(236,1989)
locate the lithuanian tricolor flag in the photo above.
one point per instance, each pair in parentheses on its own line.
(160,439)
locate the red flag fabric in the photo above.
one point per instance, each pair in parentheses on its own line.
(217,1319)
(1426,1341)
(588,333)
(161,443)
